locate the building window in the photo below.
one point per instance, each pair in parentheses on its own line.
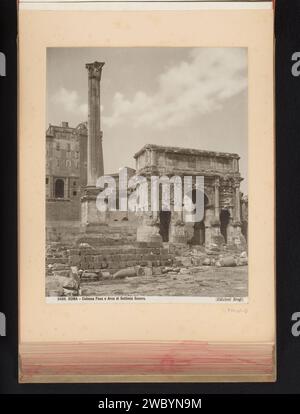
(68,163)
(57,146)
(74,182)
(77,154)
(47,180)
(68,147)
(76,164)
(57,162)
(59,190)
(74,193)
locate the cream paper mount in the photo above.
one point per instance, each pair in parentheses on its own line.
(182,339)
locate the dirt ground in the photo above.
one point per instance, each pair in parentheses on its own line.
(210,281)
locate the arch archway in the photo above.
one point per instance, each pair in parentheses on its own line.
(164,224)
(59,188)
(224,221)
(199,226)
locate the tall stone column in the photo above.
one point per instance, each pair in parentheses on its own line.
(95,167)
(238,238)
(237,203)
(93,221)
(217,197)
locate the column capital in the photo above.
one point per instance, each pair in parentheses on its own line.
(217,182)
(236,183)
(95,70)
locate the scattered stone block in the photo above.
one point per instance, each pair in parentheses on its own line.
(197,261)
(139,270)
(169,269)
(61,280)
(184,271)
(64,273)
(207,261)
(105,275)
(147,271)
(89,276)
(156,271)
(128,272)
(60,266)
(228,261)
(85,246)
(185,261)
(241,261)
(196,269)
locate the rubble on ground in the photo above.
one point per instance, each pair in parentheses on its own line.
(72,266)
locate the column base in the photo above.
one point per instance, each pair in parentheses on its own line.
(148,234)
(148,230)
(92,220)
(177,234)
(237,239)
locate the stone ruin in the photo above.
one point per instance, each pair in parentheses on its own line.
(114,244)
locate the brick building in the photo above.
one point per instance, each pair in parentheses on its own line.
(66,170)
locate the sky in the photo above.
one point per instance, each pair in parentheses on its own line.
(186,97)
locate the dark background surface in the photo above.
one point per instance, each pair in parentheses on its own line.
(287,30)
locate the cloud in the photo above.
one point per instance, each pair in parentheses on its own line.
(70,102)
(197,86)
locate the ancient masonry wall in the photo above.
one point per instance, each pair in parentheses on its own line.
(61,210)
(112,259)
(62,231)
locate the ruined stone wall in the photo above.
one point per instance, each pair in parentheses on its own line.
(62,231)
(113,259)
(62,210)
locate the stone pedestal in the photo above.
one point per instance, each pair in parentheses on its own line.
(216,236)
(230,233)
(177,230)
(92,220)
(148,230)
(238,239)
(177,233)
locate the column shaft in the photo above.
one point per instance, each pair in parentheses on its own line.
(95,167)
(237,204)
(217,200)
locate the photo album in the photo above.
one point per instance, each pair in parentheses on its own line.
(146,192)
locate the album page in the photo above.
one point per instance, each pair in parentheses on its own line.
(146,176)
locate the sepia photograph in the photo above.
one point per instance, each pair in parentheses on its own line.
(145,133)
(146,174)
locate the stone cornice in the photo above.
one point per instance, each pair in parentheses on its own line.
(186,151)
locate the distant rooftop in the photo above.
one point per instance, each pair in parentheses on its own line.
(65,126)
(186,151)
(130,171)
